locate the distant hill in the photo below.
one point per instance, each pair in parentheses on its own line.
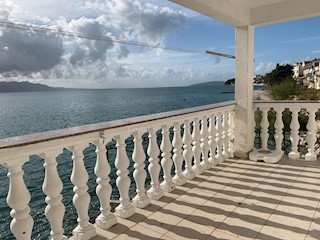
(26,87)
(230,81)
(208,84)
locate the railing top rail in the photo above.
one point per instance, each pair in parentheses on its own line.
(286,101)
(29,139)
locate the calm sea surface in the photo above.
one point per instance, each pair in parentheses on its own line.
(25,113)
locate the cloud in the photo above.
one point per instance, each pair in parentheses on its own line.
(28,51)
(306,39)
(316,51)
(263,68)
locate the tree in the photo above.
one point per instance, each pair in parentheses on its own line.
(279,74)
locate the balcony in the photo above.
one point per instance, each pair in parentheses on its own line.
(192,188)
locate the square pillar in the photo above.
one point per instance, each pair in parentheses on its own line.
(244,127)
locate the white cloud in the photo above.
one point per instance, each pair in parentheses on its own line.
(263,68)
(316,51)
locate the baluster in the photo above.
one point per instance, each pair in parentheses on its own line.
(167,185)
(197,168)
(187,151)
(231,133)
(141,200)
(264,129)
(204,143)
(279,130)
(106,219)
(155,192)
(125,208)
(224,135)
(81,198)
(212,141)
(52,187)
(18,199)
(178,178)
(219,130)
(312,135)
(294,125)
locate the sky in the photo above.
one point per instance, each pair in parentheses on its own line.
(74,62)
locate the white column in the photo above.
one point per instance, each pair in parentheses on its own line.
(264,128)
(167,185)
(244,91)
(312,135)
(187,151)
(294,125)
(197,168)
(279,130)
(178,178)
(141,200)
(106,219)
(204,143)
(155,192)
(219,141)
(125,208)
(212,140)
(231,134)
(18,199)
(52,187)
(81,198)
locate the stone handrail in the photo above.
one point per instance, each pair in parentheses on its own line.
(202,137)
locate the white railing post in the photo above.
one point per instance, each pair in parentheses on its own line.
(81,199)
(106,219)
(197,168)
(125,209)
(224,136)
(279,130)
(187,151)
(52,187)
(212,141)
(294,125)
(264,129)
(155,192)
(141,200)
(312,135)
(167,185)
(219,141)
(231,134)
(18,199)
(204,143)
(178,178)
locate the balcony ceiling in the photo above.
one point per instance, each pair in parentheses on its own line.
(253,12)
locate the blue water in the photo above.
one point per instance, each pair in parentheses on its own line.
(24,113)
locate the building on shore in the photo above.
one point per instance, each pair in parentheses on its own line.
(307,73)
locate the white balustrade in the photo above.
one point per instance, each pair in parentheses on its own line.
(167,184)
(231,133)
(125,208)
(224,138)
(279,129)
(294,108)
(187,151)
(106,219)
(18,199)
(193,143)
(264,128)
(141,200)
(219,141)
(81,199)
(204,143)
(52,187)
(294,125)
(212,141)
(155,192)
(312,135)
(178,178)
(197,168)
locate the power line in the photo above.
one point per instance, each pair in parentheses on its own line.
(45,30)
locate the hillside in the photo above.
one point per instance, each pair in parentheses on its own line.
(25,87)
(208,84)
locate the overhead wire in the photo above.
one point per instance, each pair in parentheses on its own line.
(58,32)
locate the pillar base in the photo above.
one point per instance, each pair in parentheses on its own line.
(267,155)
(241,154)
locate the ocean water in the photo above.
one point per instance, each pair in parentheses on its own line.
(25,113)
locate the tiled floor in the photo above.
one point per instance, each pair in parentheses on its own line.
(238,199)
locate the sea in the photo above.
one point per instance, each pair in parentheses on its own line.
(31,112)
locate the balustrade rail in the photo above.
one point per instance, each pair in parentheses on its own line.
(287,127)
(202,138)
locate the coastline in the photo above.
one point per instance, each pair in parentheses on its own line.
(261,94)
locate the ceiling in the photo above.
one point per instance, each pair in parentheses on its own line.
(253,12)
